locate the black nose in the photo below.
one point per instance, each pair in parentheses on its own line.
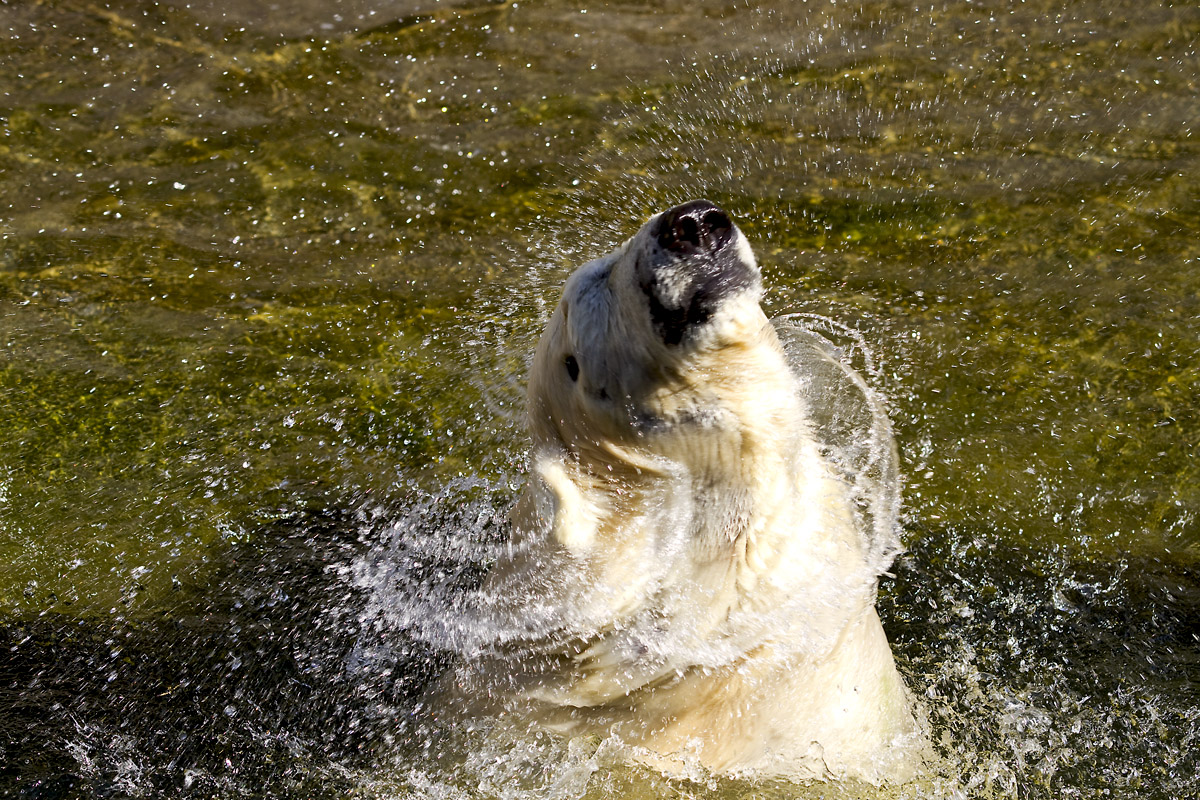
(694,228)
(693,271)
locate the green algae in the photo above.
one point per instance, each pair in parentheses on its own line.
(238,257)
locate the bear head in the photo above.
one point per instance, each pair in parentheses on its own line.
(660,348)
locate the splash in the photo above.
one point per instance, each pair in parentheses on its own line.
(852,423)
(423,572)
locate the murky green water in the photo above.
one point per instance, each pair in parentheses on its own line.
(269,275)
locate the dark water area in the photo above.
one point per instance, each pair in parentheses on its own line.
(271,274)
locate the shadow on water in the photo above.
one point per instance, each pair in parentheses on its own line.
(1077,663)
(243,687)
(256,682)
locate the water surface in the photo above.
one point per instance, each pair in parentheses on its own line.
(270,275)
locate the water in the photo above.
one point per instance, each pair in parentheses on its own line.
(270,279)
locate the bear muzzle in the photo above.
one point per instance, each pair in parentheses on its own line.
(693,265)
(694,228)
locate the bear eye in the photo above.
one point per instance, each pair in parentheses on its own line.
(572,367)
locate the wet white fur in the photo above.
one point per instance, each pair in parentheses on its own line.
(684,569)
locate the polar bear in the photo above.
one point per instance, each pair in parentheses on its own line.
(684,571)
